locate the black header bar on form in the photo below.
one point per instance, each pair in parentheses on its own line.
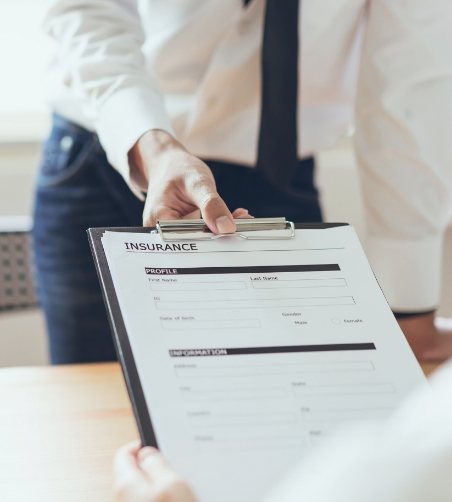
(333,267)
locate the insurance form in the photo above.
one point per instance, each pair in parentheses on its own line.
(250,353)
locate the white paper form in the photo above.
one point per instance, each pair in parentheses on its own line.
(251,352)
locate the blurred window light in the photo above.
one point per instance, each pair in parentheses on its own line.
(24,54)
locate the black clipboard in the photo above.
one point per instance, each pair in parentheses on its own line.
(120,337)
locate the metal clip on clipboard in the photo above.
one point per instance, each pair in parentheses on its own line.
(177,230)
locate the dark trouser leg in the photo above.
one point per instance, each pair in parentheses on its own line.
(76,189)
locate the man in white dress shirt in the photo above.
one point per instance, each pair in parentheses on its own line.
(407,458)
(166,92)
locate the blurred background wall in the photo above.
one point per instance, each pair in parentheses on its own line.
(24,120)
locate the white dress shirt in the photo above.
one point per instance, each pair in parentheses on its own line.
(193,68)
(405,459)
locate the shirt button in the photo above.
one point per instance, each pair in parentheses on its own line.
(66,143)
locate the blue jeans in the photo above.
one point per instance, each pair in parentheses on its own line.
(76,188)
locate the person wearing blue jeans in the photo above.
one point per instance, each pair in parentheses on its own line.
(76,188)
(244,92)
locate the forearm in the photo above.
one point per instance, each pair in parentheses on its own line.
(100,47)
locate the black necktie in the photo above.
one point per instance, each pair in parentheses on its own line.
(277,149)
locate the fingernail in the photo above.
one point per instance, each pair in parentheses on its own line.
(146,452)
(225,225)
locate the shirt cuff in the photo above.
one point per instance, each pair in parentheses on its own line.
(409,271)
(123,118)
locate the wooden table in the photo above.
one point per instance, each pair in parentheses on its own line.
(59,429)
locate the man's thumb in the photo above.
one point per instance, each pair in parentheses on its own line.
(217,216)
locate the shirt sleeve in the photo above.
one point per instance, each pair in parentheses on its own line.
(404,147)
(100,47)
(405,459)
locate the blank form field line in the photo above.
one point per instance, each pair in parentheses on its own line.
(197,305)
(242,419)
(264,442)
(299,283)
(210,324)
(244,423)
(214,397)
(272,369)
(343,389)
(342,414)
(181,286)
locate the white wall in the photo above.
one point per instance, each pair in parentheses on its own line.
(24,54)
